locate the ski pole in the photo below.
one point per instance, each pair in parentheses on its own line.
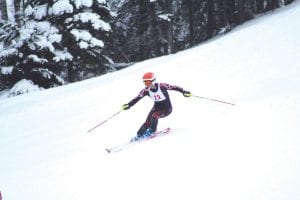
(214,100)
(104,121)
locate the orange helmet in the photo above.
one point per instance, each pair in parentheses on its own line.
(148,78)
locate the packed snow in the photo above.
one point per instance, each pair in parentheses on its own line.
(215,150)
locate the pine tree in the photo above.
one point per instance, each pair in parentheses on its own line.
(146,28)
(195,14)
(130,26)
(163,16)
(57,41)
(85,35)
(29,50)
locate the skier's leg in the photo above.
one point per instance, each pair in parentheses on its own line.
(147,123)
(142,130)
(156,115)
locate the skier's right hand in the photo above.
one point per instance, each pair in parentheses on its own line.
(125,106)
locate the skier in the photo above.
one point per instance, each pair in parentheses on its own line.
(162,105)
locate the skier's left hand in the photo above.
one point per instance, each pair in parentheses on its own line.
(125,106)
(187,94)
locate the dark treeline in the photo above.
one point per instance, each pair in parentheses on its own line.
(52,42)
(147,29)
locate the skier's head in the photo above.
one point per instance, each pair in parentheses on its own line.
(148,79)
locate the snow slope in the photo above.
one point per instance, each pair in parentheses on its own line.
(217,151)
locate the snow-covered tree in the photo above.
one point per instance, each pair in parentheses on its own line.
(28,52)
(56,41)
(85,29)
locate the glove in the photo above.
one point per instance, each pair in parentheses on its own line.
(125,106)
(187,93)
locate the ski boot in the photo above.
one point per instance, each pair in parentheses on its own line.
(146,134)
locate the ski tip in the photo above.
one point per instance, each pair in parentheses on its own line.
(108,150)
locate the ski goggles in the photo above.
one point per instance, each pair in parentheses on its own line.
(148,82)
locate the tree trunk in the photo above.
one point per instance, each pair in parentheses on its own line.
(259,6)
(19,6)
(211,24)
(3,10)
(170,29)
(11,12)
(170,38)
(240,11)
(189,5)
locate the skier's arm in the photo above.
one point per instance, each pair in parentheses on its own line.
(176,88)
(135,100)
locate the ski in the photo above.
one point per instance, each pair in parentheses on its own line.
(131,143)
